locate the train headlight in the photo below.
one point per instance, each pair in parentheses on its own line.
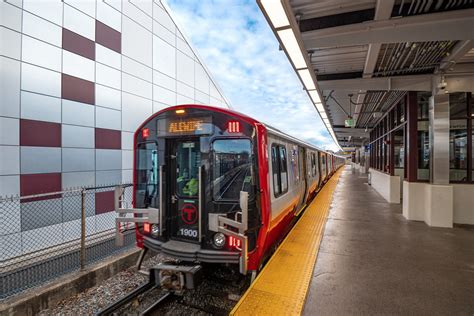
(155,229)
(219,240)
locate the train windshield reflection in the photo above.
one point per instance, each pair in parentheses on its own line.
(232,172)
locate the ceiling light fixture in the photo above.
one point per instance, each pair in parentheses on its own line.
(314,96)
(305,76)
(290,43)
(275,12)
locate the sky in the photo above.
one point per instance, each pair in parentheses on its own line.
(238,47)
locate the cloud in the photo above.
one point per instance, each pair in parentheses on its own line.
(242,53)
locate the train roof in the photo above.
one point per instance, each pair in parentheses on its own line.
(242,116)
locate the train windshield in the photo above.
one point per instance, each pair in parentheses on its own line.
(147,174)
(232,172)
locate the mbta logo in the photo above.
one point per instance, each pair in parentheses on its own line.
(189,214)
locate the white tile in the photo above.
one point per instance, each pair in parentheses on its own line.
(134,111)
(78,179)
(107,118)
(78,22)
(9,185)
(185,69)
(10,16)
(9,131)
(40,159)
(107,56)
(108,159)
(136,69)
(10,89)
(157,106)
(9,246)
(136,41)
(180,99)
(86,6)
(40,80)
(164,95)
(201,78)
(108,97)
(108,177)
(78,159)
(127,176)
(77,136)
(200,97)
(41,54)
(184,48)
(116,4)
(109,16)
(18,3)
(13,49)
(163,80)
(134,13)
(108,76)
(127,140)
(105,221)
(213,91)
(11,217)
(51,10)
(78,113)
(40,107)
(164,57)
(160,15)
(9,160)
(78,66)
(42,29)
(163,33)
(145,6)
(185,90)
(136,86)
(127,159)
(40,238)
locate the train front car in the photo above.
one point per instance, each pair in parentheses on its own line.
(197,167)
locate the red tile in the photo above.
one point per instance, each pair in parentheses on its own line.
(104,202)
(37,133)
(108,37)
(31,184)
(78,44)
(108,139)
(77,89)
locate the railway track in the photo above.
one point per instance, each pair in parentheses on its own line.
(216,295)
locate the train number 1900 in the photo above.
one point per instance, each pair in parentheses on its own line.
(188,232)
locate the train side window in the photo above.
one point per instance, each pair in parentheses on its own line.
(276,170)
(313,165)
(283,169)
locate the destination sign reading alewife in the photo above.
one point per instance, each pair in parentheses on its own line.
(185,126)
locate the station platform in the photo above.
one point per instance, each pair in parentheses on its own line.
(371,260)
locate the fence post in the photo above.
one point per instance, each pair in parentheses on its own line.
(83,229)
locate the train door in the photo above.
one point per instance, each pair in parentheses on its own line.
(184,180)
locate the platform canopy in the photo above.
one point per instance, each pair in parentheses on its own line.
(357,59)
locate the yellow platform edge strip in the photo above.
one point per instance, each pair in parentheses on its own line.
(282,285)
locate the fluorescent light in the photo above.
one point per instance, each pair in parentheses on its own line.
(307,79)
(319,107)
(275,12)
(323,115)
(314,96)
(288,39)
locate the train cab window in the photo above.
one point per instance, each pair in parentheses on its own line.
(147,174)
(232,172)
(279,169)
(188,161)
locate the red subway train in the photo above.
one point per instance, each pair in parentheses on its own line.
(213,185)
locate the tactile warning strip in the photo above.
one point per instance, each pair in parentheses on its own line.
(281,287)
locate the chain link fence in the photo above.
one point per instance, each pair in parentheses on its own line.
(48,235)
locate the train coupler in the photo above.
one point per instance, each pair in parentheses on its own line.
(177,277)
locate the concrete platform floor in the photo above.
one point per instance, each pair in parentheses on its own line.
(373,261)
